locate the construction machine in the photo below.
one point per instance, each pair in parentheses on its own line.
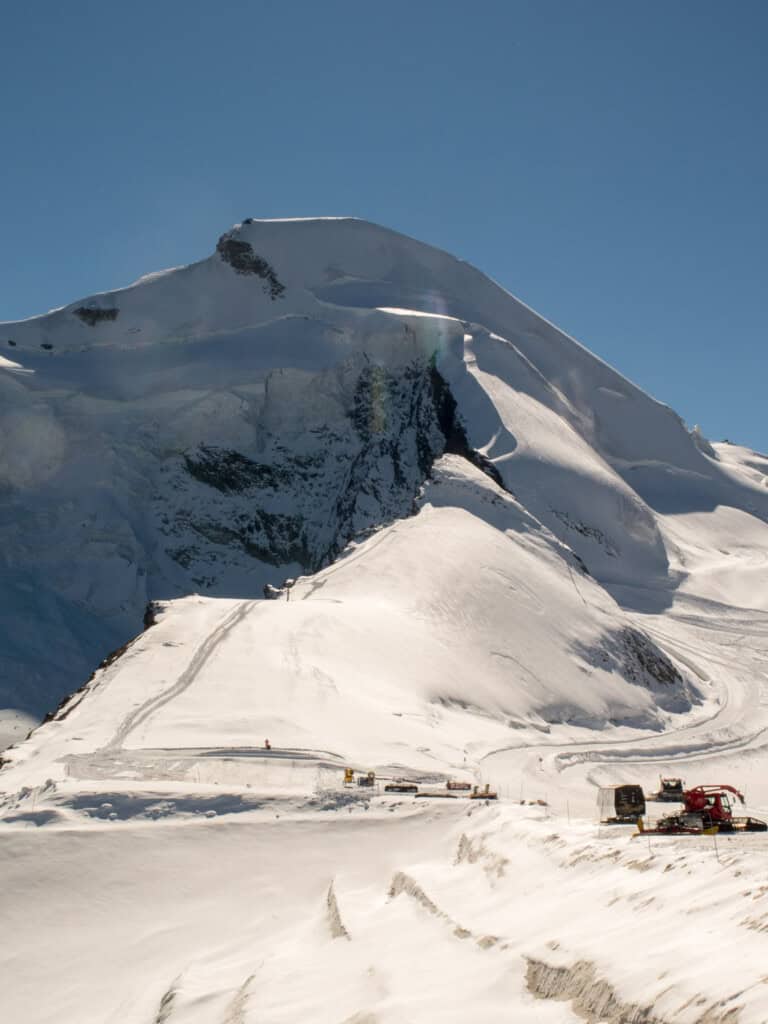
(620,805)
(486,793)
(706,809)
(670,791)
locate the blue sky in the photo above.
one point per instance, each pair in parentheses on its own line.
(607,162)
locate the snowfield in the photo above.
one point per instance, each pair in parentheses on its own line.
(512,568)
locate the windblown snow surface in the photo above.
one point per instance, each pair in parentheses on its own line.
(512,568)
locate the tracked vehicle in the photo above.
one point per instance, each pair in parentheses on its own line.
(620,805)
(670,791)
(707,809)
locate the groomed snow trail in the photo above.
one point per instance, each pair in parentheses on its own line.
(724,742)
(132,721)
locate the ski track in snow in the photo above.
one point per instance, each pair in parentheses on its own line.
(187,677)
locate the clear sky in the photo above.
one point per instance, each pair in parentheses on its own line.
(604,160)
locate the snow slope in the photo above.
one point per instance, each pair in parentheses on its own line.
(443,631)
(512,567)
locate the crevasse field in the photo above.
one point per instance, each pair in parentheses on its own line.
(512,567)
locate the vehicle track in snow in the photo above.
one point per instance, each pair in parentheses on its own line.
(201,655)
(739,723)
(705,748)
(700,741)
(703,737)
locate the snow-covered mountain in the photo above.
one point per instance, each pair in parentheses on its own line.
(241,420)
(511,565)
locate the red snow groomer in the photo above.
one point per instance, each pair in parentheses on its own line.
(707,809)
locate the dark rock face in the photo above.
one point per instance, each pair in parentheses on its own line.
(398,439)
(232,473)
(585,530)
(150,614)
(452,428)
(635,657)
(92,315)
(243,260)
(643,657)
(358,463)
(272,537)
